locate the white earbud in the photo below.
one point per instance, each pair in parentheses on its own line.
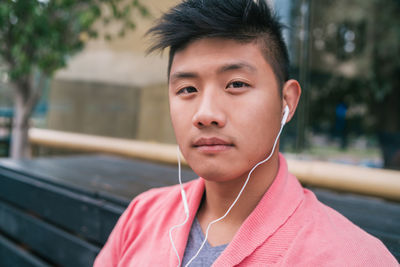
(285,115)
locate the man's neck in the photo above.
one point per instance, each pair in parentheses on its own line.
(219,196)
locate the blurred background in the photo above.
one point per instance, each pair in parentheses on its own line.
(344,53)
(77,92)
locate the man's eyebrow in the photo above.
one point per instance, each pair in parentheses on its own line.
(236,66)
(228,67)
(182,75)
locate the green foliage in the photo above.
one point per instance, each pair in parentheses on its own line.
(43,33)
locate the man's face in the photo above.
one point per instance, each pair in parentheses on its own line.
(225,107)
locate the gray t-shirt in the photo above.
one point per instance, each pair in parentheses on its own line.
(207,255)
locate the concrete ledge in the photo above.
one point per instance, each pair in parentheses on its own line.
(116,146)
(362,180)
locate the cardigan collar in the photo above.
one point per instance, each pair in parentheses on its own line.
(276,206)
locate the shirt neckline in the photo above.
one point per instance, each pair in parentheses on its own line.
(197,227)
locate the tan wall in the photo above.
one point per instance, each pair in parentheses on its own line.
(112,88)
(154,120)
(122,60)
(6,95)
(94,108)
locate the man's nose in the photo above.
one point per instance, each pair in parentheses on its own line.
(209,112)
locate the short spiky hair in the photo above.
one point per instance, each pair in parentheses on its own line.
(242,20)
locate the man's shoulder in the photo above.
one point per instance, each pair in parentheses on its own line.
(329,236)
(324,219)
(160,198)
(154,206)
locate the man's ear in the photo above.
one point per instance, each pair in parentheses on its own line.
(290,96)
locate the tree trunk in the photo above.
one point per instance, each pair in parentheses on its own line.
(19,140)
(389,129)
(27,94)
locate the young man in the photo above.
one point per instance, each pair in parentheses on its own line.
(230,96)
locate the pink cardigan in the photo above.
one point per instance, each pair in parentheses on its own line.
(289,227)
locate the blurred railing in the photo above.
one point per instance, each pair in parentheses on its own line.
(363,180)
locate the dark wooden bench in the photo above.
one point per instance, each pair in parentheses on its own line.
(60,211)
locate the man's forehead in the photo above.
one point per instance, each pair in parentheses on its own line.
(222,54)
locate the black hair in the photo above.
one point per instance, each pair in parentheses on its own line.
(241,20)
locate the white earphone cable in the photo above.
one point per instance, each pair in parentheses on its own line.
(237,198)
(185,207)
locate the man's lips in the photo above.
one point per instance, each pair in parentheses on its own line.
(213,141)
(213,144)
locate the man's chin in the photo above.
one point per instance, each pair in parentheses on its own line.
(216,174)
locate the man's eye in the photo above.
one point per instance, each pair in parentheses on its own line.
(187,90)
(237,84)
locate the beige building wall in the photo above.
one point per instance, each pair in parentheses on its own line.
(113,88)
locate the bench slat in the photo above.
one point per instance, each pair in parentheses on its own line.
(13,255)
(99,175)
(83,215)
(46,240)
